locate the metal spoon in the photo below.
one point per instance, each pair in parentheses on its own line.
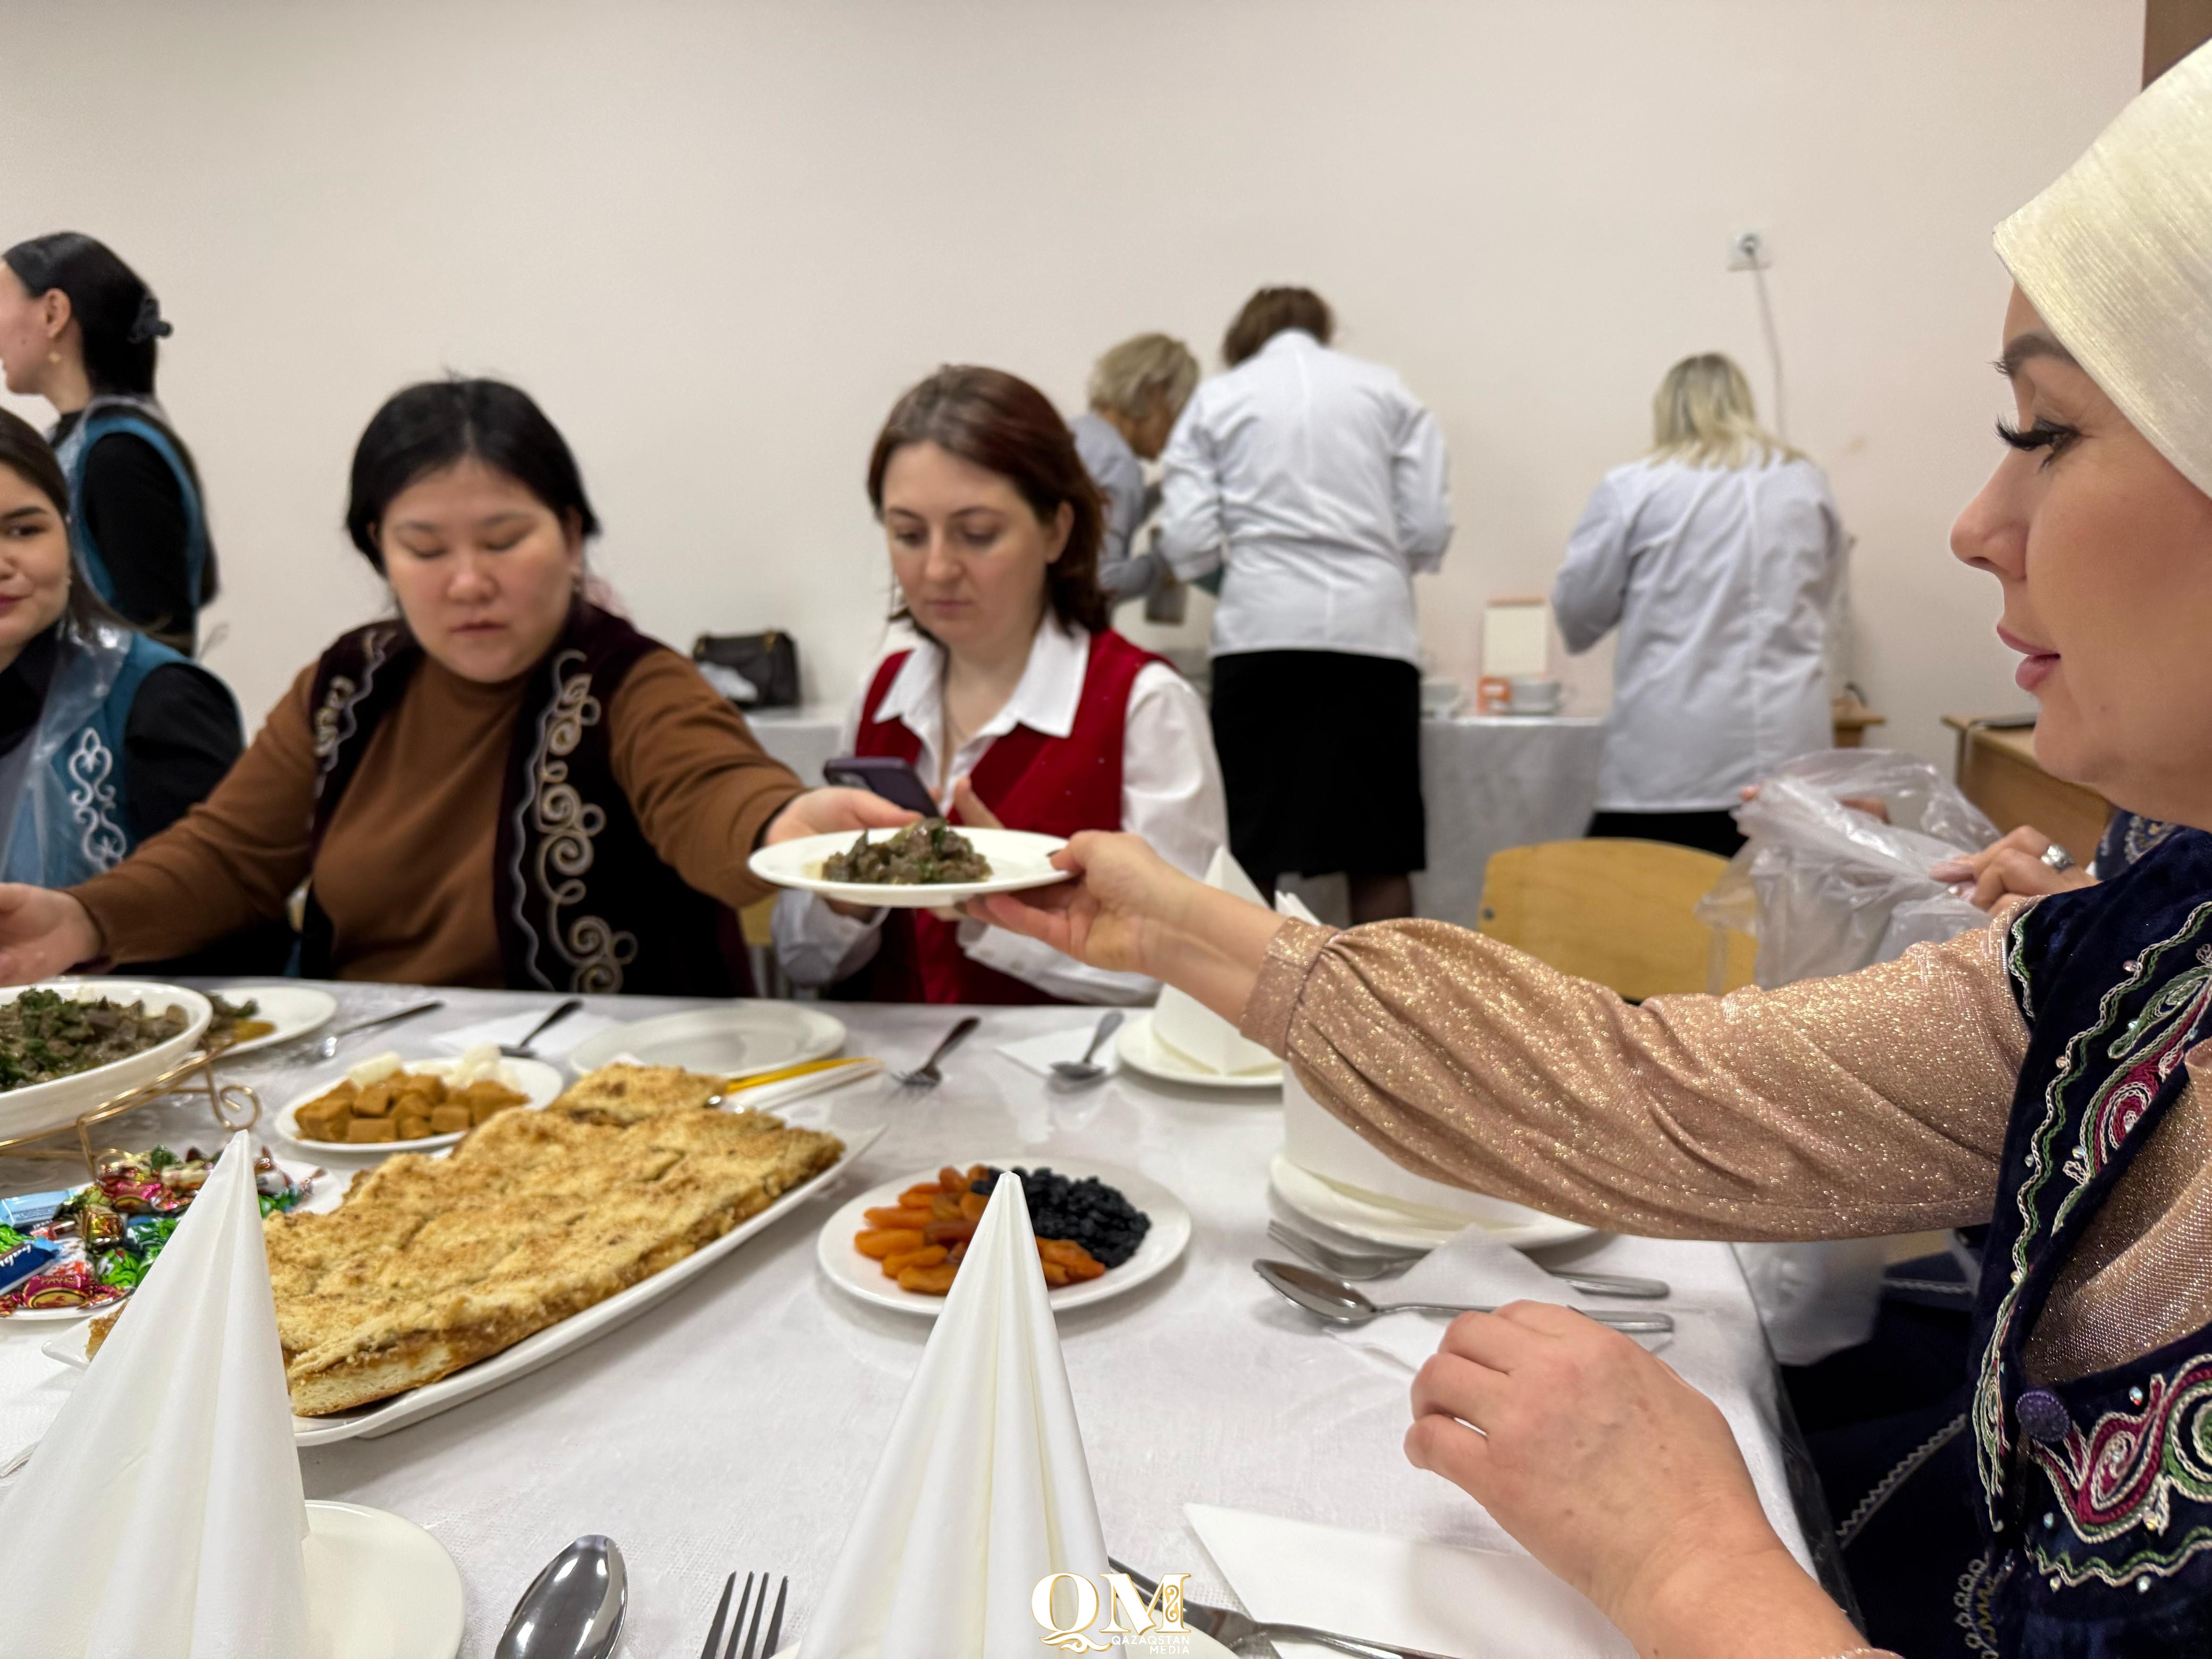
(522,1050)
(574,1608)
(1339,1304)
(1082,1071)
(328,1047)
(1358,1267)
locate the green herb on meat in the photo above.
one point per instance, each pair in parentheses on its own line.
(45,1035)
(930,852)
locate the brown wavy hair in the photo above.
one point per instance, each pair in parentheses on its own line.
(1267,313)
(1003,424)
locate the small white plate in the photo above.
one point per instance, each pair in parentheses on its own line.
(295,1009)
(1143,1051)
(863,1276)
(1416,1226)
(1018,859)
(533,1078)
(379,1587)
(735,1040)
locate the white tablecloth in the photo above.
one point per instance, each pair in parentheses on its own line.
(1489,781)
(734,1426)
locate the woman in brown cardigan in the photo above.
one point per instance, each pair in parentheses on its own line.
(504,786)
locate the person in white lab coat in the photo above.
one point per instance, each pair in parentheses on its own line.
(1715,555)
(1316,482)
(1138,389)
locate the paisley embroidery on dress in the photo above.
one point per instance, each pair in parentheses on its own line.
(92,802)
(2123,1474)
(334,722)
(566,825)
(2145,1051)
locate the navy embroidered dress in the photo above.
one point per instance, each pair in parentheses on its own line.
(2096,1491)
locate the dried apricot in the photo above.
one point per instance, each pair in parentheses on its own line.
(899,1261)
(929,1281)
(897,1215)
(880,1242)
(971,1206)
(952,1231)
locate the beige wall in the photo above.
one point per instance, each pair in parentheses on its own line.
(715,240)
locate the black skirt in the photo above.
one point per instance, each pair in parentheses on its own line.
(1320,754)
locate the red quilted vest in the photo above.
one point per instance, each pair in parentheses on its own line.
(1054,786)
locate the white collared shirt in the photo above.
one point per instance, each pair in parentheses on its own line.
(1320,482)
(1720,581)
(1170,795)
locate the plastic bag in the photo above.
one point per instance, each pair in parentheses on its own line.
(1826,887)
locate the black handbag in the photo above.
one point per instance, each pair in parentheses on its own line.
(753,670)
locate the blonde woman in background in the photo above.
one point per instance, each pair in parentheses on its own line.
(1137,391)
(1716,557)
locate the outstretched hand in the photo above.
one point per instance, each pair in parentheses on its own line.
(42,934)
(1620,1477)
(829,811)
(2011,865)
(1123,893)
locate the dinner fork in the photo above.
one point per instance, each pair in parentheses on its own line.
(1360,1266)
(1251,1638)
(751,1651)
(925,1075)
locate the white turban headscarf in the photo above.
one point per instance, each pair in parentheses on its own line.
(2117,256)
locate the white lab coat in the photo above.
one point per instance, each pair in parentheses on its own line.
(1720,581)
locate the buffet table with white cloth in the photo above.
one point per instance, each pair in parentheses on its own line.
(1489,781)
(735,1424)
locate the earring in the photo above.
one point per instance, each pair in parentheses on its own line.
(53,356)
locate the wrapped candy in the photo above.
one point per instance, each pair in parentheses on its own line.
(70,1284)
(22,1258)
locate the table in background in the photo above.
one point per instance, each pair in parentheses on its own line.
(1489,781)
(1997,770)
(735,1424)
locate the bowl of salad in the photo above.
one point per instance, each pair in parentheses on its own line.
(68,1045)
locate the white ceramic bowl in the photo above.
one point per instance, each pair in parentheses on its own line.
(42,1106)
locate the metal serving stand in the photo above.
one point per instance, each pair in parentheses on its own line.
(233,1105)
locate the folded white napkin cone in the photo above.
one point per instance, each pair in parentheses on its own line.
(1194,1030)
(169,1485)
(983,1489)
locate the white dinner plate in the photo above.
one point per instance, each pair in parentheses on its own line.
(733,1040)
(541,1083)
(379,1587)
(863,1277)
(1019,859)
(295,1009)
(1142,1051)
(1416,1226)
(49,1105)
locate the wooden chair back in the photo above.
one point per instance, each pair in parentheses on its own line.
(1622,913)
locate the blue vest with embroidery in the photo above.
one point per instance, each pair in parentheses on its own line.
(2096,1491)
(73,821)
(103,421)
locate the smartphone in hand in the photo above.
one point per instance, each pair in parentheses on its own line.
(895,781)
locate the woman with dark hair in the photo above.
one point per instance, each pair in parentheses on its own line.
(1018,705)
(79,328)
(105,738)
(1311,485)
(503,784)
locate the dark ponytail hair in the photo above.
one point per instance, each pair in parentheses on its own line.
(31,458)
(117,315)
(1004,425)
(429,426)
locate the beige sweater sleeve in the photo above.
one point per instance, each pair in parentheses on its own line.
(1873,1102)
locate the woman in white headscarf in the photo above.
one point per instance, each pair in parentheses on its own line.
(2050,1076)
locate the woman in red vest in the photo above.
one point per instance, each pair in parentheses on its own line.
(1018,705)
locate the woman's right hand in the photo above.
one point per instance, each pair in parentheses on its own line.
(2011,866)
(42,934)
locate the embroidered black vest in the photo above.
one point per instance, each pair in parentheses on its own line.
(581,901)
(2096,1492)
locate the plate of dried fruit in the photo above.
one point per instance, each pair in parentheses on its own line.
(1102,1230)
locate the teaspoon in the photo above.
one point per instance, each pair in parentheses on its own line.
(1339,1304)
(574,1608)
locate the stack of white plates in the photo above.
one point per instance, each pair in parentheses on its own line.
(1142,1049)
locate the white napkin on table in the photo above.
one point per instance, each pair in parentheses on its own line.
(1432,1596)
(564,1035)
(1037,1053)
(166,1494)
(983,1488)
(1191,1029)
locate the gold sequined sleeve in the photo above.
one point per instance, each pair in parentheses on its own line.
(1873,1102)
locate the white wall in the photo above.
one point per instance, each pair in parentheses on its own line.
(716,240)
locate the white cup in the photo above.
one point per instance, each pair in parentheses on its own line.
(1530,695)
